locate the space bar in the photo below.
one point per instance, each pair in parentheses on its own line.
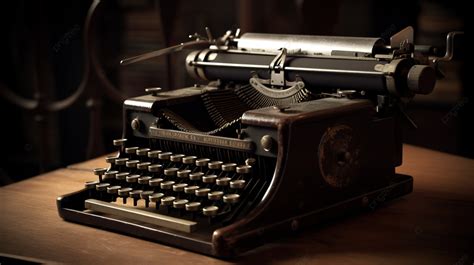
(140,215)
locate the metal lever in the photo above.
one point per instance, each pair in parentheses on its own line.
(186,45)
(277,76)
(199,42)
(209,34)
(448,56)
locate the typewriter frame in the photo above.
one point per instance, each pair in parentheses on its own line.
(291,130)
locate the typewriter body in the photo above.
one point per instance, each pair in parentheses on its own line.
(288,132)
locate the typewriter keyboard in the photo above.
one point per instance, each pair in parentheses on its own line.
(176,191)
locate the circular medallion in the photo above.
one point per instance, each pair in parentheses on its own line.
(339,156)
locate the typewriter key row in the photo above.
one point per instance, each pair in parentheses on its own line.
(158,197)
(172,181)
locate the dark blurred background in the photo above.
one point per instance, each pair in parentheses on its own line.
(61,87)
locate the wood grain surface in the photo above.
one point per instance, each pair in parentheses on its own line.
(433,225)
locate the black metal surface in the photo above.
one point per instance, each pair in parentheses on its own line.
(311,79)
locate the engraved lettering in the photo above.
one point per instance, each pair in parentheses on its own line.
(217,141)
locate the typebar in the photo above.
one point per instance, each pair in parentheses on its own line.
(140,215)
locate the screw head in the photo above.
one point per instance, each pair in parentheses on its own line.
(135,124)
(267,142)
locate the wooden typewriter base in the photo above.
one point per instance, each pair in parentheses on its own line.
(71,208)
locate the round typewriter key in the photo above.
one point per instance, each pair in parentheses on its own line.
(156,197)
(191,189)
(122,175)
(250,161)
(180,203)
(229,167)
(155,182)
(215,195)
(210,210)
(209,178)
(231,198)
(171,171)
(215,164)
(132,178)
(110,159)
(124,192)
(166,185)
(164,155)
(155,168)
(121,161)
(193,206)
(119,142)
(154,153)
(132,163)
(189,160)
(110,174)
(113,189)
(131,150)
(100,171)
(245,169)
(143,165)
(183,173)
(167,200)
(135,194)
(146,194)
(202,162)
(91,184)
(142,151)
(196,176)
(237,184)
(223,181)
(176,158)
(179,187)
(144,180)
(202,192)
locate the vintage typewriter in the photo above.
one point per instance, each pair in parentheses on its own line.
(288,131)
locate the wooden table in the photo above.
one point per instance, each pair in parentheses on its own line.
(433,225)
